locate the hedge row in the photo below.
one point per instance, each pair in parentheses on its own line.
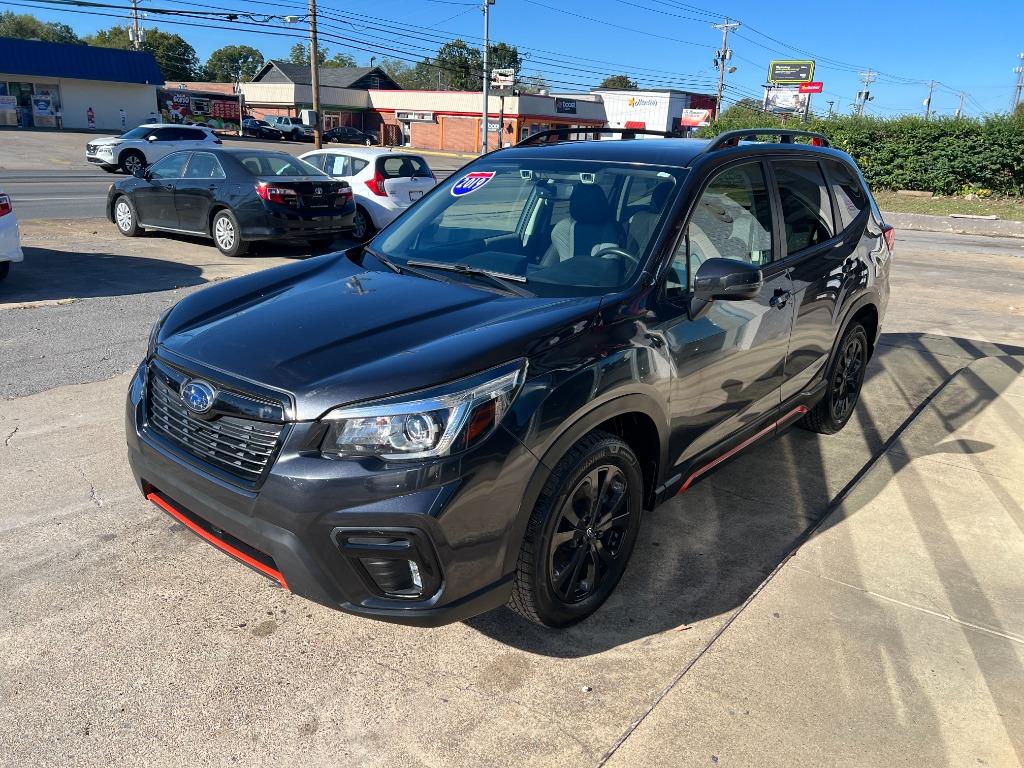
(943,155)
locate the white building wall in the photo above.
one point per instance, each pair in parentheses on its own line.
(655,109)
(105,98)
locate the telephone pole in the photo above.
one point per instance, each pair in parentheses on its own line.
(1019,89)
(830,103)
(487,75)
(721,57)
(928,101)
(960,109)
(864,96)
(136,36)
(314,74)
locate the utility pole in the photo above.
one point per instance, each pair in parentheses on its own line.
(960,109)
(928,101)
(1019,89)
(830,103)
(864,96)
(136,36)
(314,73)
(721,57)
(487,75)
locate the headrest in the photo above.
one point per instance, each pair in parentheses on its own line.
(588,205)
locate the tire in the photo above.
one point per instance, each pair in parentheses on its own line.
(5,269)
(844,381)
(368,143)
(362,225)
(126,217)
(296,135)
(227,235)
(568,565)
(130,160)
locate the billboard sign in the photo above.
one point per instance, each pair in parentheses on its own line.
(695,118)
(214,110)
(785,100)
(811,87)
(503,78)
(790,72)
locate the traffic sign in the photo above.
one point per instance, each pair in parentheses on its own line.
(811,87)
(790,72)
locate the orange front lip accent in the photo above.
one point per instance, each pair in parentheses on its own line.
(223,546)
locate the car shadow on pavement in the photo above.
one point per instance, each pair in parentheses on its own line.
(700,556)
(48,275)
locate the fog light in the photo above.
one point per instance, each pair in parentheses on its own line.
(396,577)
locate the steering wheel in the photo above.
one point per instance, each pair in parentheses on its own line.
(614,250)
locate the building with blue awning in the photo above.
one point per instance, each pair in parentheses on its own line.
(62,85)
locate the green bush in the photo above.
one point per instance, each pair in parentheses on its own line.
(942,155)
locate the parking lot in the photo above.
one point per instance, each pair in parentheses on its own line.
(854,599)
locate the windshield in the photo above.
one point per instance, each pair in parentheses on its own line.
(276,164)
(571,227)
(137,133)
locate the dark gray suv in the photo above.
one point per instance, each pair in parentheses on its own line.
(476,408)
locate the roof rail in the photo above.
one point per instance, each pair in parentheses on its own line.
(732,138)
(562,134)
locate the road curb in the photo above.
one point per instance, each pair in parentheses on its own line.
(954,225)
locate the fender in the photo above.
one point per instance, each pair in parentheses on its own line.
(584,423)
(868,297)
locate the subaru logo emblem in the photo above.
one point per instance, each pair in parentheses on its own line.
(318,191)
(197,395)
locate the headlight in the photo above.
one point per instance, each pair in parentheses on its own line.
(424,427)
(154,334)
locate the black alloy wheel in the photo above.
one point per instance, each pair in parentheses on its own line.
(844,382)
(581,532)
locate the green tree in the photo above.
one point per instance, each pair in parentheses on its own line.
(177,59)
(622,82)
(422,75)
(299,54)
(462,65)
(233,62)
(534,83)
(25,26)
(504,56)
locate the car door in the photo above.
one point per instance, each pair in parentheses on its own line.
(822,264)
(196,191)
(154,195)
(728,357)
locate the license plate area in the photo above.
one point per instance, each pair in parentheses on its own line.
(415,195)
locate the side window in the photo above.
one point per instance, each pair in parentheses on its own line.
(204,166)
(358,165)
(171,167)
(165,134)
(806,208)
(732,220)
(317,161)
(338,165)
(848,191)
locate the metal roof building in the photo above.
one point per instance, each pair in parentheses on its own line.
(52,85)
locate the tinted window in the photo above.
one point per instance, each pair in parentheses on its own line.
(171,167)
(203,165)
(276,164)
(358,165)
(806,209)
(164,134)
(848,191)
(189,134)
(402,166)
(337,165)
(317,161)
(137,133)
(732,220)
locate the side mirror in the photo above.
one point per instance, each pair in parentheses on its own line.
(141,173)
(728,280)
(151,137)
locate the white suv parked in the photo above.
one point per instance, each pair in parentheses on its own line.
(384,182)
(142,146)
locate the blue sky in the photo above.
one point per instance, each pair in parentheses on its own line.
(965,46)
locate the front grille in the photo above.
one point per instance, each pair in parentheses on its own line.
(239,446)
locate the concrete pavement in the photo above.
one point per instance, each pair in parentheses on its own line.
(125,640)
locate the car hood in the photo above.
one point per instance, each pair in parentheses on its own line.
(106,140)
(329,332)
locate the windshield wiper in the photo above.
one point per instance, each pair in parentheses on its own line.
(383,260)
(501,279)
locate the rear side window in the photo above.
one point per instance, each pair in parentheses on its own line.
(806,207)
(337,165)
(358,165)
(171,167)
(402,166)
(849,192)
(317,161)
(204,166)
(188,134)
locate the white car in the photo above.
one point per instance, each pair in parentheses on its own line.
(134,150)
(10,237)
(292,127)
(384,182)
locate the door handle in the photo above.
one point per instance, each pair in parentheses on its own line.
(779,300)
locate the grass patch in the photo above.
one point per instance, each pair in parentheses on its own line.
(1009,208)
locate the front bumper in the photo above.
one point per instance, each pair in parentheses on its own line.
(306,516)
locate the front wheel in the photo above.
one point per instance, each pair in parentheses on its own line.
(845,377)
(132,162)
(362,225)
(580,534)
(368,143)
(126,218)
(227,234)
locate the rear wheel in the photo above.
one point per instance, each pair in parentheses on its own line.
(362,225)
(227,234)
(132,161)
(368,142)
(126,218)
(580,534)
(845,378)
